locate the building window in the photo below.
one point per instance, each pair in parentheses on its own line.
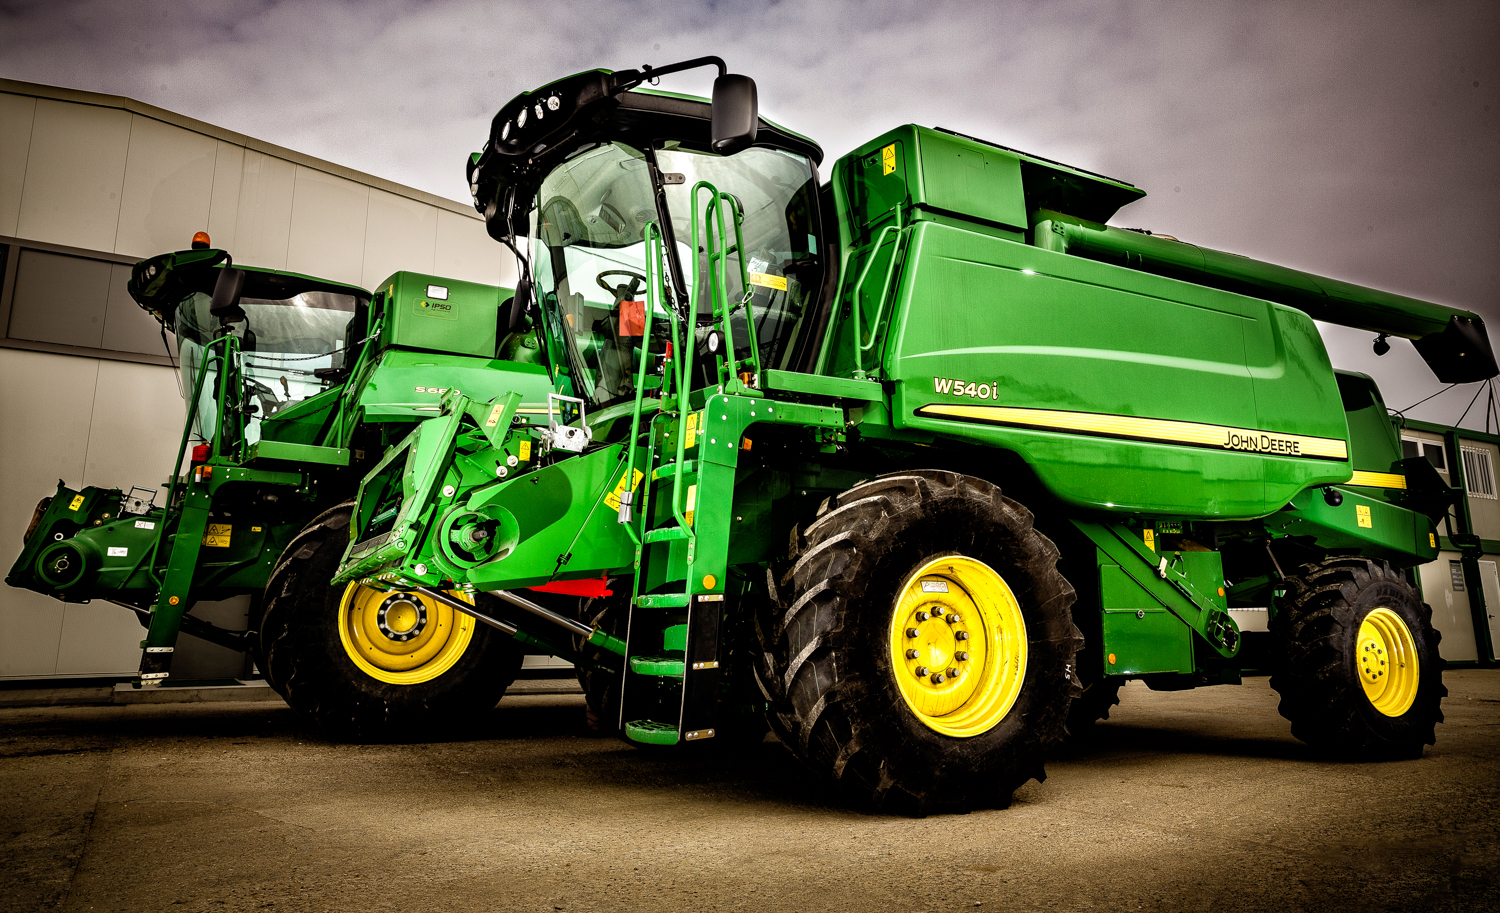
(1479,472)
(61,300)
(1412,447)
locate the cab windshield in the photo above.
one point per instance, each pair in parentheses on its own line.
(589,253)
(283,342)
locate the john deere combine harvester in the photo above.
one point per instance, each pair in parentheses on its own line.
(921,459)
(295,386)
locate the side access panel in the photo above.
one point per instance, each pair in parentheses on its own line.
(1140,636)
(1124,391)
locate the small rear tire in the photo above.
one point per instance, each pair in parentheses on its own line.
(1356,661)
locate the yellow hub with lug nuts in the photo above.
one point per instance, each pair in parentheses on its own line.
(1386,655)
(402,638)
(958,646)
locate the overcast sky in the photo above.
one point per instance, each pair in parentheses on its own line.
(1353,140)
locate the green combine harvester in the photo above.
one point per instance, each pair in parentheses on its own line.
(296,387)
(916,465)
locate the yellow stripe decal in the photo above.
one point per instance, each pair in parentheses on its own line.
(1250,440)
(1379,480)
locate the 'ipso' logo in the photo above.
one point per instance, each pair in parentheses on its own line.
(436,305)
(955,387)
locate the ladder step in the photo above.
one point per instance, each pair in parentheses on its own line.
(662,601)
(651,732)
(666,534)
(674,638)
(664,666)
(688,468)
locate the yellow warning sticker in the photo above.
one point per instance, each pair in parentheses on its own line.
(692,499)
(769,281)
(613,498)
(255,529)
(77,502)
(888,159)
(494,418)
(1362,514)
(1150,537)
(692,430)
(1432,540)
(217,536)
(525,453)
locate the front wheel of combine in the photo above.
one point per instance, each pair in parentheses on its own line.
(370,665)
(1357,662)
(921,648)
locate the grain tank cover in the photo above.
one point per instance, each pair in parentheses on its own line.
(419,311)
(944,172)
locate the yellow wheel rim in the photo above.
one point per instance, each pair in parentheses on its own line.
(1386,655)
(402,638)
(958,646)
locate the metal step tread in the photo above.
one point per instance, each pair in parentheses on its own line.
(666,534)
(688,468)
(651,732)
(663,601)
(664,666)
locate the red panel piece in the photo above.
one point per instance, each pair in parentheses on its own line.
(632,318)
(595,587)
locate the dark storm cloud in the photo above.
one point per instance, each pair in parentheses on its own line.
(1355,140)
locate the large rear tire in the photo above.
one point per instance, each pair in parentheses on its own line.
(367,665)
(921,647)
(1356,661)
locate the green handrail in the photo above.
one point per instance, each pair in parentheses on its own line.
(717,256)
(860,345)
(187,431)
(655,273)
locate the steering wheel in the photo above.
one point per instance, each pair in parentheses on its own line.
(625,291)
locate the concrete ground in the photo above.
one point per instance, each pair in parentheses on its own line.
(1185,801)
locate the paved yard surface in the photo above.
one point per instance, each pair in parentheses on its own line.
(1187,801)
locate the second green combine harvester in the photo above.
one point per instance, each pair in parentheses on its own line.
(295,387)
(920,461)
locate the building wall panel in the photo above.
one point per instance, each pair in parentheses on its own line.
(135,426)
(98,639)
(1484,511)
(75,174)
(465,251)
(1450,609)
(400,234)
(169,180)
(327,236)
(45,401)
(17,113)
(224,205)
(264,218)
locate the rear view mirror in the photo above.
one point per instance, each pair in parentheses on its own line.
(227,288)
(736,114)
